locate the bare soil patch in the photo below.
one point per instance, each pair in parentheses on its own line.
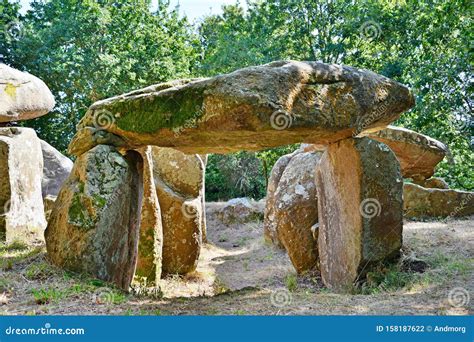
(240,274)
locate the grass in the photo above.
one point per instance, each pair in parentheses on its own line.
(391,278)
(40,271)
(48,295)
(291,282)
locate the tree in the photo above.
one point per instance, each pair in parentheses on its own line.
(88,50)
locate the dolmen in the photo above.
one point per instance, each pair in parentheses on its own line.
(127,209)
(291,214)
(22,97)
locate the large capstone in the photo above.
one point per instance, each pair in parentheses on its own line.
(253,108)
(359,186)
(94,225)
(21,166)
(22,95)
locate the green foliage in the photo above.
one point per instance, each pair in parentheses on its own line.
(423,44)
(89,50)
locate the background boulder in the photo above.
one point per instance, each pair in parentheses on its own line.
(21,204)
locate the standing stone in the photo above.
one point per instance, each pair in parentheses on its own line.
(21,205)
(150,246)
(179,181)
(94,225)
(22,95)
(56,169)
(204,159)
(296,211)
(359,186)
(270,224)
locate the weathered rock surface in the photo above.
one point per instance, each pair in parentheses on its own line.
(432,183)
(21,205)
(150,245)
(359,187)
(179,182)
(239,210)
(22,95)
(94,225)
(296,211)
(56,169)
(254,108)
(49,202)
(419,202)
(418,154)
(270,224)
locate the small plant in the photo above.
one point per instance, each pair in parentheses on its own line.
(13,246)
(39,271)
(45,296)
(291,282)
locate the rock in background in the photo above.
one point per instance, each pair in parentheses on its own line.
(292,214)
(22,95)
(56,169)
(418,154)
(21,204)
(94,225)
(239,210)
(421,202)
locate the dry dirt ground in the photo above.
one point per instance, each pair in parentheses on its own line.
(239,274)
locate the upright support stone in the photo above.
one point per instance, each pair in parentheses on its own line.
(296,211)
(203,198)
(21,204)
(150,246)
(94,225)
(179,181)
(359,186)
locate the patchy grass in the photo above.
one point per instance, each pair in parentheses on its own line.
(238,277)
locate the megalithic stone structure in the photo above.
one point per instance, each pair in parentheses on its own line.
(360,188)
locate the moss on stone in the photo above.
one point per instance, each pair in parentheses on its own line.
(170,110)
